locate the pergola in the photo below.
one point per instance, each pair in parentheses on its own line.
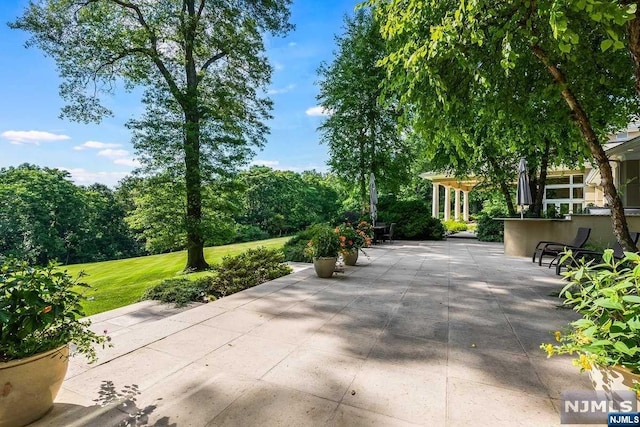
(461,187)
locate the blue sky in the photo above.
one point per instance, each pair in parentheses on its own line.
(30,130)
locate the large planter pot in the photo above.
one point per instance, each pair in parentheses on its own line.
(29,386)
(324,266)
(351,257)
(612,378)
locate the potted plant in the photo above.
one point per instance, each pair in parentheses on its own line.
(39,317)
(605,340)
(323,248)
(353,240)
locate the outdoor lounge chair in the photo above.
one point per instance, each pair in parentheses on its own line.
(546,247)
(618,253)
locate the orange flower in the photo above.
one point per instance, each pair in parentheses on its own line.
(47,309)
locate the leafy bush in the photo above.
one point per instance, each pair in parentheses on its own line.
(453,226)
(490,230)
(250,268)
(233,274)
(40,311)
(179,291)
(607,297)
(411,217)
(294,249)
(249,233)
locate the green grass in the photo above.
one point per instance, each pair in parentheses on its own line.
(121,282)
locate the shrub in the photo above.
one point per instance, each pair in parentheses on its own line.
(249,233)
(233,274)
(250,268)
(294,249)
(179,291)
(412,219)
(453,226)
(490,230)
(607,297)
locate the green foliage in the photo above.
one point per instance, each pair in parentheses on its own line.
(40,311)
(246,270)
(45,217)
(607,297)
(283,202)
(295,248)
(412,218)
(361,132)
(180,291)
(453,226)
(249,233)
(354,238)
(488,229)
(324,242)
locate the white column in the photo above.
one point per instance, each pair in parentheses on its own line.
(435,204)
(456,207)
(447,203)
(465,209)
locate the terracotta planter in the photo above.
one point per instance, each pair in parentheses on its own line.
(324,266)
(351,257)
(28,386)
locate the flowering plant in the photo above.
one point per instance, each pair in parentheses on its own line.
(608,297)
(40,311)
(353,238)
(324,242)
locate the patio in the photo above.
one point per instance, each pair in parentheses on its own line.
(422,333)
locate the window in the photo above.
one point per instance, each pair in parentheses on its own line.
(622,135)
(564,194)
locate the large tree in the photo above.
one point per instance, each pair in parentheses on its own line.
(201,61)
(361,132)
(427,37)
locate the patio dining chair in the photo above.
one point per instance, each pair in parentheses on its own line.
(618,254)
(546,247)
(389,234)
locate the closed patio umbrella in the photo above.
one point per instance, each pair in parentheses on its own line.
(524,191)
(373,199)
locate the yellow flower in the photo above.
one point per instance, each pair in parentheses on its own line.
(558,335)
(584,362)
(549,349)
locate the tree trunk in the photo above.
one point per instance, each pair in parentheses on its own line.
(618,219)
(364,203)
(542,180)
(193,179)
(504,187)
(633,30)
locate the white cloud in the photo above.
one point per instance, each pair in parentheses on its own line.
(113,154)
(277,66)
(84,177)
(32,136)
(128,161)
(317,111)
(293,44)
(269,163)
(286,89)
(96,145)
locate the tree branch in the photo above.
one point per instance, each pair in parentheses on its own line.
(213,59)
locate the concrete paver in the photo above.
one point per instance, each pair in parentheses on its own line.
(418,333)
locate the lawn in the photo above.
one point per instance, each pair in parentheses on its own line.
(121,282)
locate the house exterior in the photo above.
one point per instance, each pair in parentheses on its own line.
(569,191)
